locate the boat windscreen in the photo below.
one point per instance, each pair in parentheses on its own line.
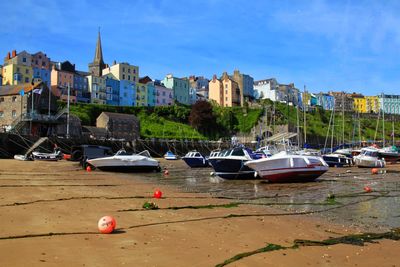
(145,153)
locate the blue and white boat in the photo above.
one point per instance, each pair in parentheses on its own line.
(170,156)
(195,159)
(229,164)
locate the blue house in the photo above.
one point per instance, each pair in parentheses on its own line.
(127,93)
(326,101)
(112,91)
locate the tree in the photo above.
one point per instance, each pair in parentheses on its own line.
(202,117)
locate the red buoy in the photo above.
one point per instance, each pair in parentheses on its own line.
(157,194)
(374,170)
(106,224)
(88,169)
(367,189)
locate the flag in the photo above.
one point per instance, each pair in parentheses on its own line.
(37,91)
(22,92)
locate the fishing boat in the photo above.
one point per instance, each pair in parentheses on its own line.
(286,167)
(124,162)
(195,159)
(170,156)
(229,163)
(369,158)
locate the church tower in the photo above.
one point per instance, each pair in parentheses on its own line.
(96,67)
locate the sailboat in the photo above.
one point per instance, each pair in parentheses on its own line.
(335,159)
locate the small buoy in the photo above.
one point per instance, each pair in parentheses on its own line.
(367,189)
(374,170)
(166,172)
(88,169)
(157,194)
(106,224)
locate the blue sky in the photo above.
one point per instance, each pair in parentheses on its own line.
(325,45)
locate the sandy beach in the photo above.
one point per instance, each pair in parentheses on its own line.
(49,214)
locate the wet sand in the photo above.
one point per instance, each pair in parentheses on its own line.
(49,213)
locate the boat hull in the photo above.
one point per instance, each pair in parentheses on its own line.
(196,162)
(336,161)
(291,175)
(125,164)
(232,169)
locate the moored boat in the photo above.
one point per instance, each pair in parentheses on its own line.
(124,162)
(285,167)
(229,163)
(195,159)
(56,155)
(337,160)
(170,156)
(390,154)
(369,158)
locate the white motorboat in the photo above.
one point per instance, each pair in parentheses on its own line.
(285,167)
(368,158)
(123,162)
(337,160)
(170,156)
(56,155)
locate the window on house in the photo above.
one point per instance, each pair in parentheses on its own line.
(123,69)
(129,77)
(129,70)
(14,98)
(24,59)
(14,113)
(123,76)
(134,78)
(26,79)
(1,99)
(36,62)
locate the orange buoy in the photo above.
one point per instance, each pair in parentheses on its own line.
(106,224)
(157,194)
(367,189)
(88,169)
(374,170)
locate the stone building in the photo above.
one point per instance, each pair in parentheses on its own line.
(119,126)
(246,85)
(343,101)
(28,108)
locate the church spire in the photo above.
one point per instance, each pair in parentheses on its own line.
(98,56)
(97,66)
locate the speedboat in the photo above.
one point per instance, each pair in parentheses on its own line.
(170,156)
(390,154)
(286,167)
(124,162)
(229,163)
(368,158)
(195,159)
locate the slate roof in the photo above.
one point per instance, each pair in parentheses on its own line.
(7,90)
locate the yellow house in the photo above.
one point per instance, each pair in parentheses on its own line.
(372,104)
(141,95)
(14,74)
(123,71)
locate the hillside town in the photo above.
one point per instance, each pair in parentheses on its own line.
(120,84)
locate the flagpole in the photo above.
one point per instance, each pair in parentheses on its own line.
(68,113)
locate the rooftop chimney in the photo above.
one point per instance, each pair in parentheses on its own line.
(14,53)
(8,55)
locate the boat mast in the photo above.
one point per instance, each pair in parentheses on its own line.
(305,116)
(68,112)
(298,124)
(343,119)
(333,127)
(383,120)
(393,130)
